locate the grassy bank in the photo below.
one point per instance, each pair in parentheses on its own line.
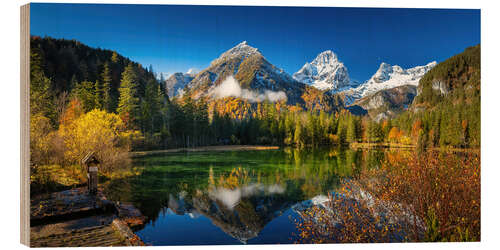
(205,148)
(367,145)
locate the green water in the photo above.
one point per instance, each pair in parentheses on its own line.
(232,197)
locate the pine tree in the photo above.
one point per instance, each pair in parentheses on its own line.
(150,105)
(84,70)
(86,93)
(106,88)
(200,120)
(298,136)
(163,100)
(374,132)
(114,57)
(41,99)
(162,81)
(73,82)
(162,78)
(289,128)
(324,125)
(128,103)
(342,130)
(98,96)
(351,134)
(421,141)
(311,128)
(436,126)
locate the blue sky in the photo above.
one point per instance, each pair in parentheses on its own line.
(174,38)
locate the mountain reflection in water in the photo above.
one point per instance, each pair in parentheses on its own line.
(241,213)
(232,197)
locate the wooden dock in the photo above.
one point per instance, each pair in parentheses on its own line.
(73,218)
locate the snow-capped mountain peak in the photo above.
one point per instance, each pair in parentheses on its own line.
(241,50)
(176,82)
(325,72)
(387,77)
(422,69)
(253,74)
(387,72)
(325,58)
(383,73)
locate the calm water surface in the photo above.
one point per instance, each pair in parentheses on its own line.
(246,197)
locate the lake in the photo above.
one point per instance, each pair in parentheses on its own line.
(239,197)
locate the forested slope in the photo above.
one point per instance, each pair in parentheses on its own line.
(447,108)
(67,63)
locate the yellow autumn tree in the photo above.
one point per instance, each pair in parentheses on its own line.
(394,134)
(98,131)
(40,139)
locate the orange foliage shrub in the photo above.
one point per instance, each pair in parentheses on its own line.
(416,127)
(73,111)
(442,189)
(394,134)
(429,197)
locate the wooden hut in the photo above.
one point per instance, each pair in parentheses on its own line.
(91,164)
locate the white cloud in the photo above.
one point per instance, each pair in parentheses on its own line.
(232,197)
(230,87)
(192,71)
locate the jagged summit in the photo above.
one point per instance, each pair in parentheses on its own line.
(384,71)
(388,76)
(325,57)
(177,81)
(325,72)
(242,50)
(424,68)
(252,71)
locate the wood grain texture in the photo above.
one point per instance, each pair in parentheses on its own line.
(25,121)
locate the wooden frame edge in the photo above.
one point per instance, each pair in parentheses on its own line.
(25,121)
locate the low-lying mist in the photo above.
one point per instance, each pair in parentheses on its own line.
(230,87)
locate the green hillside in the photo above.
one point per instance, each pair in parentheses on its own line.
(447,108)
(67,63)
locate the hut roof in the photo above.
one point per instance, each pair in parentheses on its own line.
(90,157)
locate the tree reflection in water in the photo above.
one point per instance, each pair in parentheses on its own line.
(239,192)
